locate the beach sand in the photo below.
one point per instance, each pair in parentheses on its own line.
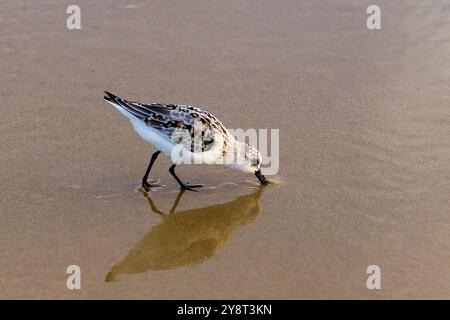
(364,179)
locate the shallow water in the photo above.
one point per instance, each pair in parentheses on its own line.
(189,237)
(364,157)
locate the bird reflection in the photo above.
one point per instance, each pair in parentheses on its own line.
(189,237)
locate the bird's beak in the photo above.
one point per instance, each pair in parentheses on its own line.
(260,177)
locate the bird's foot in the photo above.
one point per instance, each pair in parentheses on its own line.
(153,184)
(190,187)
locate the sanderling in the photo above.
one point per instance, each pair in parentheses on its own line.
(161,124)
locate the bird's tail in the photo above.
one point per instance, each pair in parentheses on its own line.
(125,107)
(110,97)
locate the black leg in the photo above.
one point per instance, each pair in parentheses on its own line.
(183,185)
(145,184)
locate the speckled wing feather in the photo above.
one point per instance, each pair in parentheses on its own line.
(166,118)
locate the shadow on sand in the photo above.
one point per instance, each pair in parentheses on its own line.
(189,237)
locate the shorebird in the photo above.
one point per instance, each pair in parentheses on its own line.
(187,134)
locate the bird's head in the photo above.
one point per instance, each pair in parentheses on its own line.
(248,159)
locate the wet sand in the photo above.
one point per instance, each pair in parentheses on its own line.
(364,156)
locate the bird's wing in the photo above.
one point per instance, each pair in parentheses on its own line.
(176,122)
